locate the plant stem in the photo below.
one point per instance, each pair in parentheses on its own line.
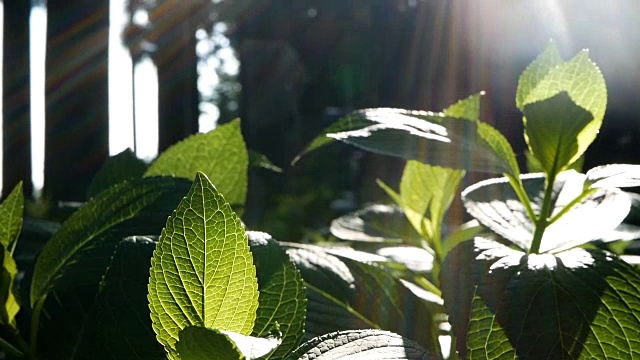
(542,221)
(517,186)
(35,323)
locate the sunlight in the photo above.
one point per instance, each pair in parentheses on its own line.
(120,89)
(146,109)
(37,49)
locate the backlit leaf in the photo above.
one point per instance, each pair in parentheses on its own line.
(11,211)
(361,344)
(221,154)
(555,130)
(494,203)
(202,272)
(9,303)
(536,71)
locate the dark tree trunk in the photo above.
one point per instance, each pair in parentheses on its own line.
(16,129)
(177,63)
(76,95)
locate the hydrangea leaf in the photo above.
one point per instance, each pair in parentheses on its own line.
(495,205)
(202,271)
(431,138)
(577,304)
(361,344)
(117,168)
(81,249)
(221,154)
(282,302)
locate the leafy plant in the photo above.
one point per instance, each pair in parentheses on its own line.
(156,266)
(530,278)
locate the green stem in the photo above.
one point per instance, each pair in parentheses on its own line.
(427,285)
(543,220)
(35,323)
(517,186)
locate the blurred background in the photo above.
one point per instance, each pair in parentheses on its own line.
(85,79)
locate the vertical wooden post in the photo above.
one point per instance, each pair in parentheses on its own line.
(16,97)
(76,95)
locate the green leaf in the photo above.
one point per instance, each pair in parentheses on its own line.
(81,249)
(361,344)
(495,205)
(11,211)
(581,79)
(258,160)
(425,136)
(578,304)
(375,223)
(613,175)
(344,294)
(9,300)
(557,131)
(427,191)
(118,168)
(120,312)
(536,72)
(202,272)
(221,154)
(282,301)
(198,343)
(468,108)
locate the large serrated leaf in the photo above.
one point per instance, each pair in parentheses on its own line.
(117,168)
(495,205)
(556,130)
(375,223)
(578,304)
(561,124)
(347,294)
(82,248)
(536,71)
(361,344)
(11,211)
(468,108)
(202,272)
(221,154)
(282,301)
(428,137)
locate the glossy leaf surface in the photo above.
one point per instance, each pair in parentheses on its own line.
(495,205)
(361,344)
